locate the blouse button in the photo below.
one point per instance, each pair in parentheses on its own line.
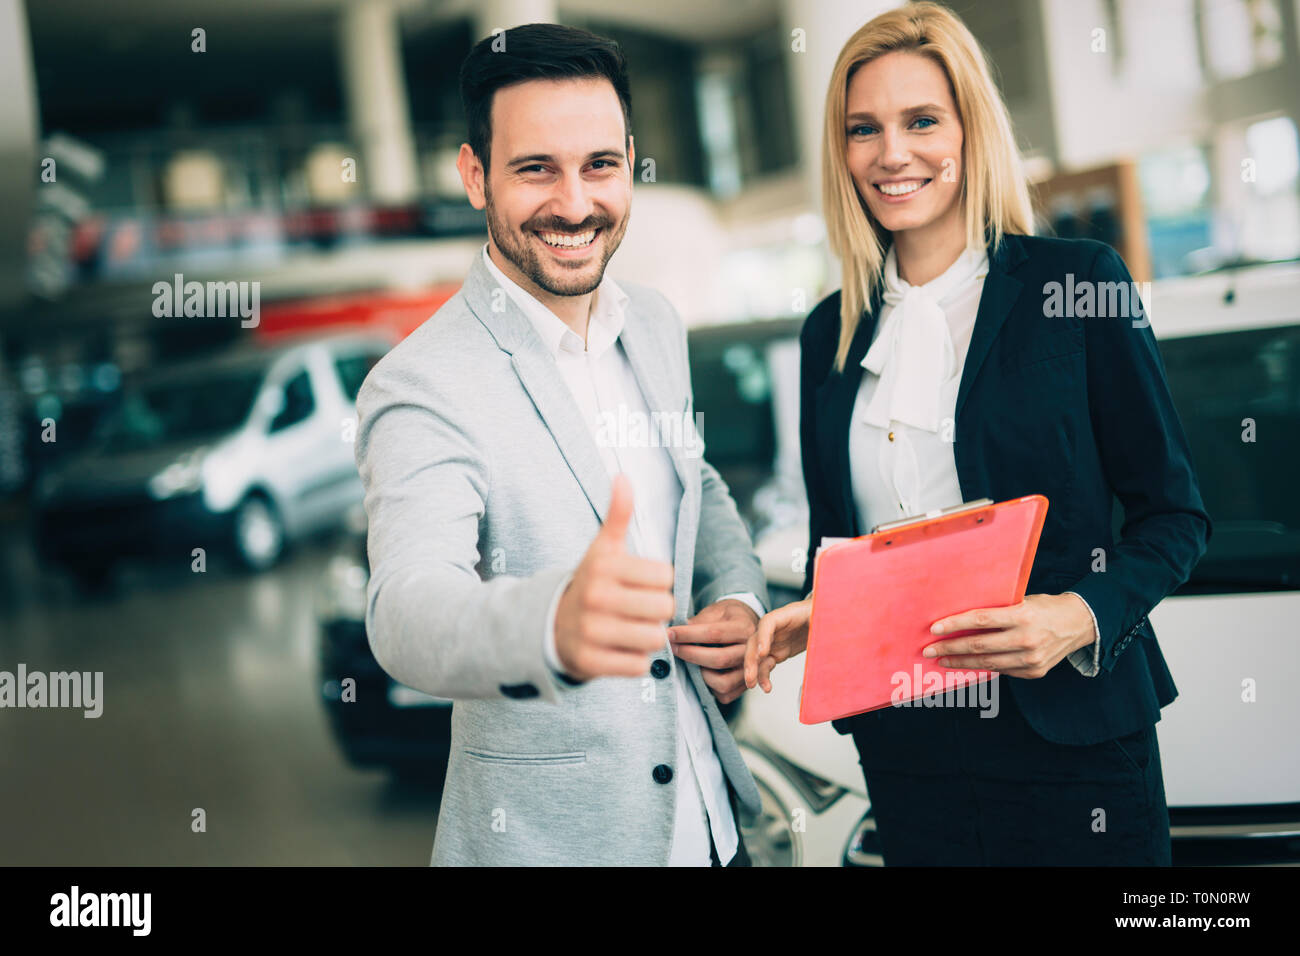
(891,436)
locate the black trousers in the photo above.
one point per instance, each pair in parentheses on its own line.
(951,788)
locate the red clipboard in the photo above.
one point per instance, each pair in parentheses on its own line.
(875,597)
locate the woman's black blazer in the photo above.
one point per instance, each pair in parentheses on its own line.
(1075,407)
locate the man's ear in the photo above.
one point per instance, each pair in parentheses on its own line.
(471,176)
(631,156)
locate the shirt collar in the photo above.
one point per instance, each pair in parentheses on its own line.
(969,267)
(609,311)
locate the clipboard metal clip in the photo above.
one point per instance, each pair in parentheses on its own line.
(930,515)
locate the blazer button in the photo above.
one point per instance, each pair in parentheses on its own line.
(663,773)
(891,436)
(659,668)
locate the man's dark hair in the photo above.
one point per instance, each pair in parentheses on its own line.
(535,51)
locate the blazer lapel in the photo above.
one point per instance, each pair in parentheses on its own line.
(640,347)
(835,398)
(645,362)
(536,370)
(999,296)
(539,376)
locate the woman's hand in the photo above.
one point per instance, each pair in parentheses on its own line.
(781,634)
(1026,640)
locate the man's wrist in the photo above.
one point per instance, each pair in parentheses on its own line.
(550,648)
(746,598)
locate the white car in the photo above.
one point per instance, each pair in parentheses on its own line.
(249,449)
(1230,742)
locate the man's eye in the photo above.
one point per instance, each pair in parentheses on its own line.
(531,169)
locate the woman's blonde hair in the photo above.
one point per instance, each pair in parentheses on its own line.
(994,194)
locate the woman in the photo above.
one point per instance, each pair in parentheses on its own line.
(947,369)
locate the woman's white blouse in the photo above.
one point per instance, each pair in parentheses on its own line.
(900,470)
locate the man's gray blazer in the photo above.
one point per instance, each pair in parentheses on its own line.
(484,488)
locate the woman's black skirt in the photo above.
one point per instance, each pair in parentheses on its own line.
(950,787)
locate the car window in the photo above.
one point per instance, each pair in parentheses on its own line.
(733,385)
(352,371)
(732,381)
(1238,396)
(299,402)
(154,413)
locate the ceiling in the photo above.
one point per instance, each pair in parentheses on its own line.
(684,18)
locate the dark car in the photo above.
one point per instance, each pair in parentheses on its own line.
(376,721)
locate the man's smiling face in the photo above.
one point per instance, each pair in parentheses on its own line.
(558,189)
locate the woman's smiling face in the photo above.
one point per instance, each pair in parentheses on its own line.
(904,147)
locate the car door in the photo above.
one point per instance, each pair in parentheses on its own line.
(301,448)
(338,370)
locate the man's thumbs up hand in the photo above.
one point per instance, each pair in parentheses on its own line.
(614,613)
(613,533)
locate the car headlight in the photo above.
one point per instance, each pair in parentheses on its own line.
(181,477)
(770,837)
(342,593)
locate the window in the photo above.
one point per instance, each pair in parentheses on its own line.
(1159,44)
(1175,184)
(1270,227)
(154,414)
(733,385)
(661,71)
(1241,36)
(743,107)
(298,402)
(1218,381)
(352,371)
(714,113)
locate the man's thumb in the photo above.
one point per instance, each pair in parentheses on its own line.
(614,530)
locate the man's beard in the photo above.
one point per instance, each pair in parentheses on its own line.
(524,256)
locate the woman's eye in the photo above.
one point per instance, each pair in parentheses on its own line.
(862,130)
(924,119)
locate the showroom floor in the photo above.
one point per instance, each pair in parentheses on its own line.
(210,701)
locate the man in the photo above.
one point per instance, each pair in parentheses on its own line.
(488,459)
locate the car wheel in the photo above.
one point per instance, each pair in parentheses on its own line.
(259,533)
(769,837)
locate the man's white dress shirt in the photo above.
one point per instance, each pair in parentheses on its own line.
(903,431)
(601,380)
